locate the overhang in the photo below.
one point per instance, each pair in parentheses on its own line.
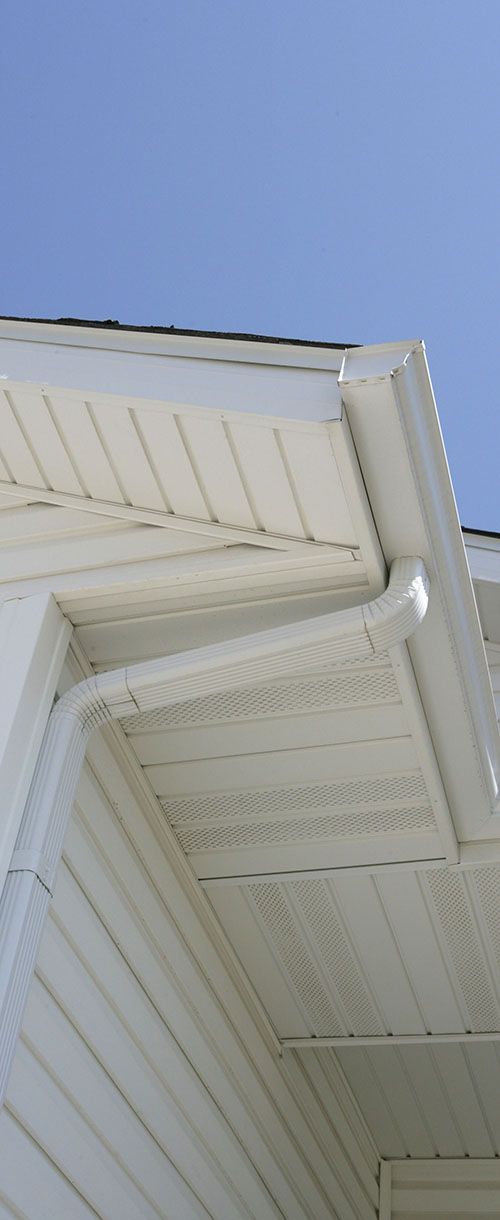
(178,492)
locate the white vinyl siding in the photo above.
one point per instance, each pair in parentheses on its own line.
(144,1084)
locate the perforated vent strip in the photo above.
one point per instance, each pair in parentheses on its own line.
(315,902)
(282,932)
(352,689)
(454,914)
(208,836)
(403,790)
(487,882)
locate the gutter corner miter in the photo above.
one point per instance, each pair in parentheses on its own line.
(357,632)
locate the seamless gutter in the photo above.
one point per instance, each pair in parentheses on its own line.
(388,398)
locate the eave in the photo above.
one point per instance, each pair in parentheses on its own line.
(390,406)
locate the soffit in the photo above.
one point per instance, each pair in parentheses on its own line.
(319,770)
(204,462)
(423,1102)
(493,658)
(129,483)
(483,554)
(370,953)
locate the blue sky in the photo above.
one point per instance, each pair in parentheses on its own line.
(308,168)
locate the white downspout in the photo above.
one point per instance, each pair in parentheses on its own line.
(361,631)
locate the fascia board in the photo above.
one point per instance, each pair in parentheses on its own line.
(206,347)
(484,563)
(304,393)
(484,542)
(271,379)
(388,398)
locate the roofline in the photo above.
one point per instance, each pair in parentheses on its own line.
(467,529)
(112,324)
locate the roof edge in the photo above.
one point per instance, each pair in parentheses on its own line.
(113,324)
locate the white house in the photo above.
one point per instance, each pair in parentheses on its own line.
(250,917)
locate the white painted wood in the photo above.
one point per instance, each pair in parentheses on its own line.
(33,641)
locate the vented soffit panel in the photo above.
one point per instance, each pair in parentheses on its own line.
(326,766)
(373,954)
(198,462)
